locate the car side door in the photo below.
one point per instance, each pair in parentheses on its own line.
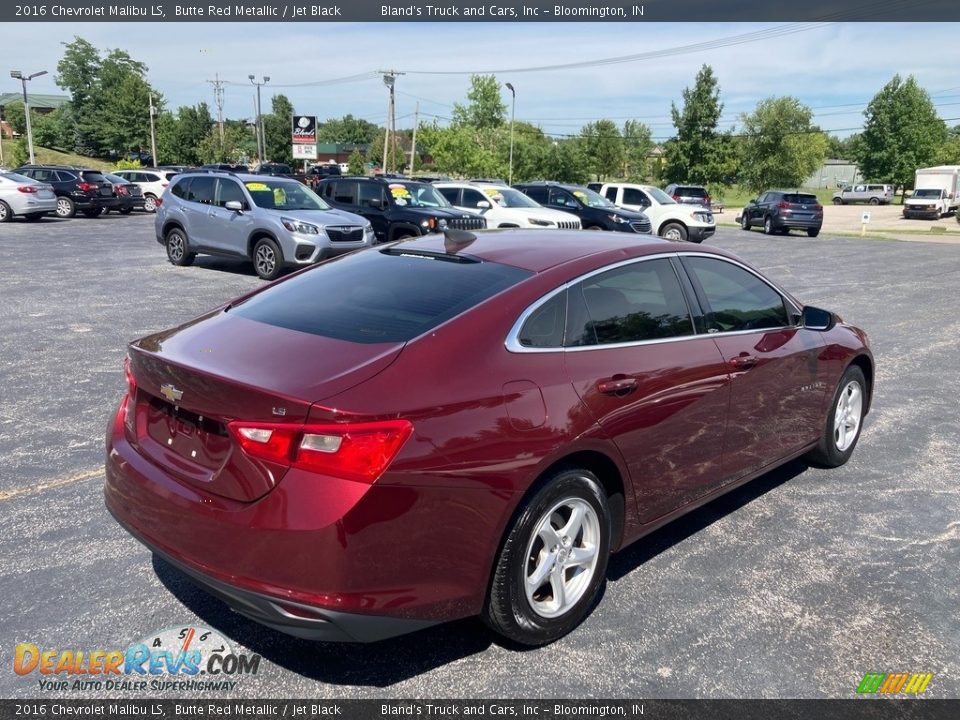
(199,199)
(372,204)
(229,230)
(778,390)
(656,387)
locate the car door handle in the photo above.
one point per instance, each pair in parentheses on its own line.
(617,385)
(744,361)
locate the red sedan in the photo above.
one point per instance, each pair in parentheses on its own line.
(456,426)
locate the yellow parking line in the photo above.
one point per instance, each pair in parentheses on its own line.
(50,484)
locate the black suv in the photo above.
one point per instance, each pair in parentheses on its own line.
(594,210)
(780,210)
(76,188)
(397,208)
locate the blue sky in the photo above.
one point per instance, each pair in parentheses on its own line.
(834,68)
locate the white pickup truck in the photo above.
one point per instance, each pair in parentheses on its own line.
(670,219)
(935,194)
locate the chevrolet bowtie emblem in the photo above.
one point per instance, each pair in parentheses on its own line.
(171,393)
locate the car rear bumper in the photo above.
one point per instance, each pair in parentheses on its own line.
(792,222)
(89,202)
(317,546)
(29,206)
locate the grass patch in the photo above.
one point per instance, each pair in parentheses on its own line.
(47,156)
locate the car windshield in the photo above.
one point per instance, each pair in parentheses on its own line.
(591,199)
(510,198)
(283,195)
(927,194)
(416,195)
(660,196)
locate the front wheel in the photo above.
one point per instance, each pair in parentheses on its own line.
(553,562)
(178,251)
(844,421)
(267,259)
(675,232)
(837,201)
(6,214)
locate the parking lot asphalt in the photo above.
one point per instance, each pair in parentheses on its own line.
(794,585)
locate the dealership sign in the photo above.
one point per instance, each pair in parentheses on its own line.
(302,151)
(304,130)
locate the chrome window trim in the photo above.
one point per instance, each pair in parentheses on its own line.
(512,342)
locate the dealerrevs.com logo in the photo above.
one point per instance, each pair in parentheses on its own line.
(177,659)
(894,683)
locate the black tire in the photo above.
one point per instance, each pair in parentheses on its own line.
(828,452)
(178,248)
(593,227)
(6,214)
(813,232)
(768,228)
(92,212)
(874,201)
(33,217)
(267,259)
(744,221)
(65,208)
(838,201)
(125,210)
(508,610)
(674,231)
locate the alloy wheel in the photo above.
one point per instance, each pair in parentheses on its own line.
(847,417)
(265,260)
(175,247)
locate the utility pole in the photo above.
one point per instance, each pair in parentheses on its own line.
(513,109)
(153,132)
(218,99)
(413,146)
(17,75)
(389,79)
(262,143)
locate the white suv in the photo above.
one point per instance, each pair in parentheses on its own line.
(504,207)
(151,181)
(670,219)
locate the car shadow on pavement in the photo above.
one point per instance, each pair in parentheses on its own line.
(647,548)
(377,664)
(224,264)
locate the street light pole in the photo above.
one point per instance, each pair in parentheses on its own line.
(261,139)
(513,110)
(17,75)
(153,133)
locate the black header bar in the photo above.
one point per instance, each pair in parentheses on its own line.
(636,11)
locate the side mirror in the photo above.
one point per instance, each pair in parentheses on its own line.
(751,202)
(234,205)
(375,203)
(814,318)
(483,205)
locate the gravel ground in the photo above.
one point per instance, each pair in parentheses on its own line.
(792,586)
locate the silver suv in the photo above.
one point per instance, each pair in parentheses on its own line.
(275,222)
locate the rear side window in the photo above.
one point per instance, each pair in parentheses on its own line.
(451,194)
(180,188)
(642,301)
(544,327)
(736,299)
(632,196)
(537,194)
(379,296)
(201,190)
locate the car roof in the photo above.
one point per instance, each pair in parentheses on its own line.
(538,250)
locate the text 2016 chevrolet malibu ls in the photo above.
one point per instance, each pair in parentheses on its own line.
(446,427)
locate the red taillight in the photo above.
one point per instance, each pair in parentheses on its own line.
(353,451)
(707,201)
(86,187)
(158,202)
(818,208)
(164,184)
(676,197)
(28,188)
(783,205)
(128,408)
(131,380)
(121,190)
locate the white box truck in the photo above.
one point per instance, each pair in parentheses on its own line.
(935,193)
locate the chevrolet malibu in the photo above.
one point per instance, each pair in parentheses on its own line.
(461,425)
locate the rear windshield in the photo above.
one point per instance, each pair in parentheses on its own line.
(800,199)
(92,176)
(379,296)
(691,192)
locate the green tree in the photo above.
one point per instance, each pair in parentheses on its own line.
(902,133)
(603,147)
(564,161)
(637,144)
(239,144)
(347,130)
(78,72)
(485,107)
(277,130)
(779,145)
(700,153)
(187,131)
(396,158)
(357,164)
(124,112)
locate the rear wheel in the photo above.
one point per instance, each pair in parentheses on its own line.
(6,214)
(744,221)
(150,203)
(553,562)
(33,217)
(844,421)
(65,208)
(675,232)
(125,210)
(267,259)
(93,212)
(178,251)
(593,227)
(874,201)
(813,232)
(768,228)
